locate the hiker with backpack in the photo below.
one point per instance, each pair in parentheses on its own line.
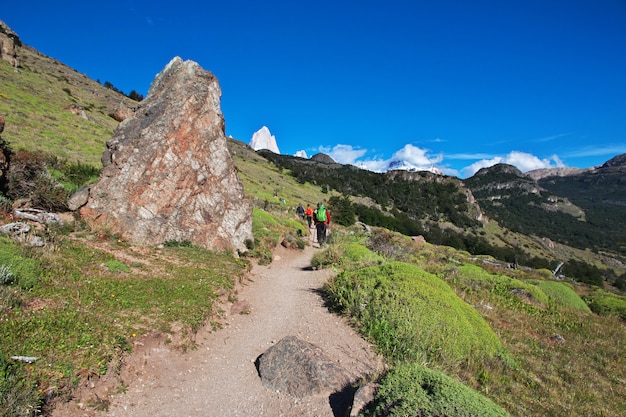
(322,219)
(300,211)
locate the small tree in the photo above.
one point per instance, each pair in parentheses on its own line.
(134,95)
(342,210)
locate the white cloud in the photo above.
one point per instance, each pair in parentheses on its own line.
(597,151)
(344,154)
(413,155)
(522,160)
(416,156)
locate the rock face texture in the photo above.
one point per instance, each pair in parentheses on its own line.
(9,43)
(167,173)
(300,369)
(322,157)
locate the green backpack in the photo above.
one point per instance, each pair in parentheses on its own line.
(321,214)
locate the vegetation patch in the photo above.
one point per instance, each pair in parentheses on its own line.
(76,316)
(562,294)
(412,315)
(606,303)
(414,390)
(21,264)
(470,278)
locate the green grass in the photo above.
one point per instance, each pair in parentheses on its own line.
(345,254)
(86,306)
(35,106)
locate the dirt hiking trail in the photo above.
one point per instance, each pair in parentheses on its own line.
(219,377)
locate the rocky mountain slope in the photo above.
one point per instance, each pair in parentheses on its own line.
(580,208)
(50,107)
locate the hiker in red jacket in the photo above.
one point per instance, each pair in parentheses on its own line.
(308,213)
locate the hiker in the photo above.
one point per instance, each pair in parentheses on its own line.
(308,213)
(321,220)
(300,211)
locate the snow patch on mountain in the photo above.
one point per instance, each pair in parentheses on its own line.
(400,164)
(263,139)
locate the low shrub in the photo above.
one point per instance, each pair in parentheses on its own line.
(7,277)
(412,315)
(9,298)
(329,255)
(392,245)
(562,294)
(358,256)
(414,390)
(300,228)
(606,303)
(470,278)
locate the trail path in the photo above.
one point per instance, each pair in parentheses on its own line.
(219,378)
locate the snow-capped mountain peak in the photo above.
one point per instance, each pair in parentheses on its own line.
(263,139)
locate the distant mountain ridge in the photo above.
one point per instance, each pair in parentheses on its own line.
(584,208)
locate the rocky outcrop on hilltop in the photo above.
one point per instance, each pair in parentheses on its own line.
(538,174)
(167,173)
(618,162)
(9,44)
(323,158)
(501,177)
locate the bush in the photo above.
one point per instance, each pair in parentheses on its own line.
(562,294)
(412,315)
(7,277)
(358,256)
(28,177)
(392,245)
(472,277)
(414,390)
(605,303)
(9,298)
(330,255)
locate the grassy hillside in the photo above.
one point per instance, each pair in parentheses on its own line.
(526,342)
(48,107)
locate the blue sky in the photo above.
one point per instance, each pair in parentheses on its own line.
(453,84)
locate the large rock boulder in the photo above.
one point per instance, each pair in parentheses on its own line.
(300,369)
(167,173)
